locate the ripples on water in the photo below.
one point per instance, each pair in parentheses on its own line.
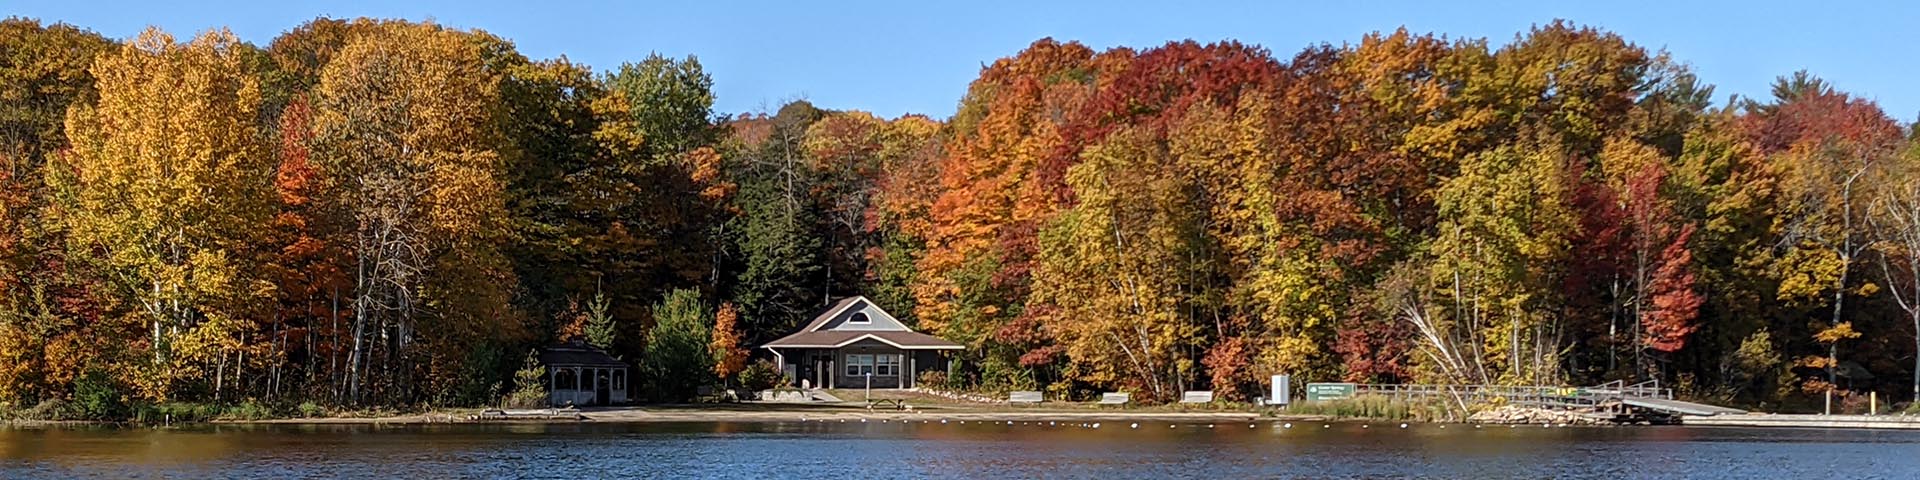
(981,451)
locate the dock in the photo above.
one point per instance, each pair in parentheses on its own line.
(1612,402)
(495,414)
(1881,422)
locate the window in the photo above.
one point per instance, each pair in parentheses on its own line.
(565,380)
(620,379)
(859,317)
(887,366)
(858,365)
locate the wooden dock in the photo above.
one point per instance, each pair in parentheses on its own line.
(494,414)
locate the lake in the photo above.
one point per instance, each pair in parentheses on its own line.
(974,450)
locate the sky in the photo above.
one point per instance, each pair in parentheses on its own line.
(899,57)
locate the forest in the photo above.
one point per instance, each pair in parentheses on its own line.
(382,213)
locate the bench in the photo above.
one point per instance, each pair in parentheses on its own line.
(1202,396)
(883,403)
(1024,397)
(1115,398)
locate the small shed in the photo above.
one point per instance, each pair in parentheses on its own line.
(579,374)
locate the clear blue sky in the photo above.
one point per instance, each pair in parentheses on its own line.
(894,57)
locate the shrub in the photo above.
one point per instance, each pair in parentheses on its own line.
(96,396)
(251,410)
(761,375)
(308,409)
(933,380)
(529,385)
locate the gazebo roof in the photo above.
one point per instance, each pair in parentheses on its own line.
(576,353)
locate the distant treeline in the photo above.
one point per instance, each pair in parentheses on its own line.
(372,213)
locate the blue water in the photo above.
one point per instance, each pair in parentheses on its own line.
(933,450)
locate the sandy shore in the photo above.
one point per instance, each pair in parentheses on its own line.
(800,412)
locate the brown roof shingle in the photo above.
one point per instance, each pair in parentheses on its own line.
(821,316)
(838,338)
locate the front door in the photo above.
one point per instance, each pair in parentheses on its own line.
(822,369)
(822,363)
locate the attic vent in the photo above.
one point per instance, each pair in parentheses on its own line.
(858,317)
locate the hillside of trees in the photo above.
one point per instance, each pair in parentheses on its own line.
(387,213)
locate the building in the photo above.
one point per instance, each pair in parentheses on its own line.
(853,340)
(579,374)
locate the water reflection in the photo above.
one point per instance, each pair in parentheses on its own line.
(932,449)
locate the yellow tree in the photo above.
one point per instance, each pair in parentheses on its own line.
(403,134)
(1110,268)
(1503,227)
(1281,282)
(168,179)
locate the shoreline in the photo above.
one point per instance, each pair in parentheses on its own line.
(797,413)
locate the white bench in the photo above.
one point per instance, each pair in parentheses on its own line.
(1024,397)
(1202,396)
(1115,398)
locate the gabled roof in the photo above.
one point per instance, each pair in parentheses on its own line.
(823,315)
(812,335)
(841,338)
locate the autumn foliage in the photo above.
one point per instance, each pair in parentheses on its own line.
(369,212)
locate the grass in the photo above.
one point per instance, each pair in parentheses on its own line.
(1374,407)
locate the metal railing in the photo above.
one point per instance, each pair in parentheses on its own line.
(1522,395)
(1646,389)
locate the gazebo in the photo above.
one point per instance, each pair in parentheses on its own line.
(579,374)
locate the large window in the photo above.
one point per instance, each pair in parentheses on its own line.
(883,365)
(858,365)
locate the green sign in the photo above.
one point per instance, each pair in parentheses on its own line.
(1320,392)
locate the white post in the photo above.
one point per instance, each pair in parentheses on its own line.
(869,387)
(780,363)
(1829,410)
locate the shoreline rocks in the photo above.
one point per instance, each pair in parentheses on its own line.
(1515,415)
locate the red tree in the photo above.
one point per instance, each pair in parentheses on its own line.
(1675,303)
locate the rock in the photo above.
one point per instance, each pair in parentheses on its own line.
(1515,415)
